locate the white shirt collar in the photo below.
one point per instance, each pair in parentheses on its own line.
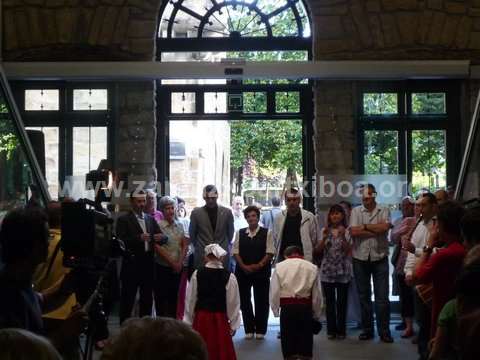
(214,264)
(252,233)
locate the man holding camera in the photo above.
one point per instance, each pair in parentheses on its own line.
(138,231)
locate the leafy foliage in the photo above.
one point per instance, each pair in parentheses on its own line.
(255,102)
(380,152)
(287,101)
(273,145)
(428,146)
(379,103)
(428,155)
(428,103)
(8,140)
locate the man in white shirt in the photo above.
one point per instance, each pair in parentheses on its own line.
(239,221)
(369,226)
(294,288)
(428,207)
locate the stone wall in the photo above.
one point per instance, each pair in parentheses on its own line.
(396,29)
(136,131)
(334,127)
(79,30)
(343,29)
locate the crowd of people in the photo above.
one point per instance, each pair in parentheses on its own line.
(201,269)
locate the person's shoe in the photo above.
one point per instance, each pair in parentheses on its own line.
(259,336)
(331,336)
(407,334)
(248,336)
(279,335)
(341,337)
(365,336)
(387,338)
(401,326)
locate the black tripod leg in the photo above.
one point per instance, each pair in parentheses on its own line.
(89,345)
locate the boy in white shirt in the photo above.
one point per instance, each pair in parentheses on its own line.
(294,288)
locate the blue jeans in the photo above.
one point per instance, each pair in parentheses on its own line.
(378,271)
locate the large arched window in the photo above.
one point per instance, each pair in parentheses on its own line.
(233,25)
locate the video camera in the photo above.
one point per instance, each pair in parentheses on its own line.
(87,235)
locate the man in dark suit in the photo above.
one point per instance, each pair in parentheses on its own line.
(137,230)
(210,224)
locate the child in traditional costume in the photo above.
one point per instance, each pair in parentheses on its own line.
(296,297)
(213,305)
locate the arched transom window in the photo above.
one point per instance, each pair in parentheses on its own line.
(234,25)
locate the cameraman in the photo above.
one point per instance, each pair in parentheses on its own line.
(24,239)
(137,230)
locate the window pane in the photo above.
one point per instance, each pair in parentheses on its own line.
(428,159)
(41,100)
(380,103)
(215,102)
(232,19)
(303,15)
(381,152)
(428,103)
(90,99)
(287,102)
(16,175)
(51,157)
(254,102)
(183,103)
(217,56)
(89,147)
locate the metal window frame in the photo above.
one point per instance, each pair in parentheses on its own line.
(405,122)
(66,118)
(264,43)
(23,138)
(305,114)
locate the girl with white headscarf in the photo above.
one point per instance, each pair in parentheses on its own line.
(213,305)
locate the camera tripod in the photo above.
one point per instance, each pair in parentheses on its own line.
(94,308)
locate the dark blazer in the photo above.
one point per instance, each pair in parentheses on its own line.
(129,230)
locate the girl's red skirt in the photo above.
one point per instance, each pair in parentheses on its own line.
(215,330)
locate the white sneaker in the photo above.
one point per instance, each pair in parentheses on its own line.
(248,336)
(259,336)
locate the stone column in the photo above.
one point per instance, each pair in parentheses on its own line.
(136,133)
(334,141)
